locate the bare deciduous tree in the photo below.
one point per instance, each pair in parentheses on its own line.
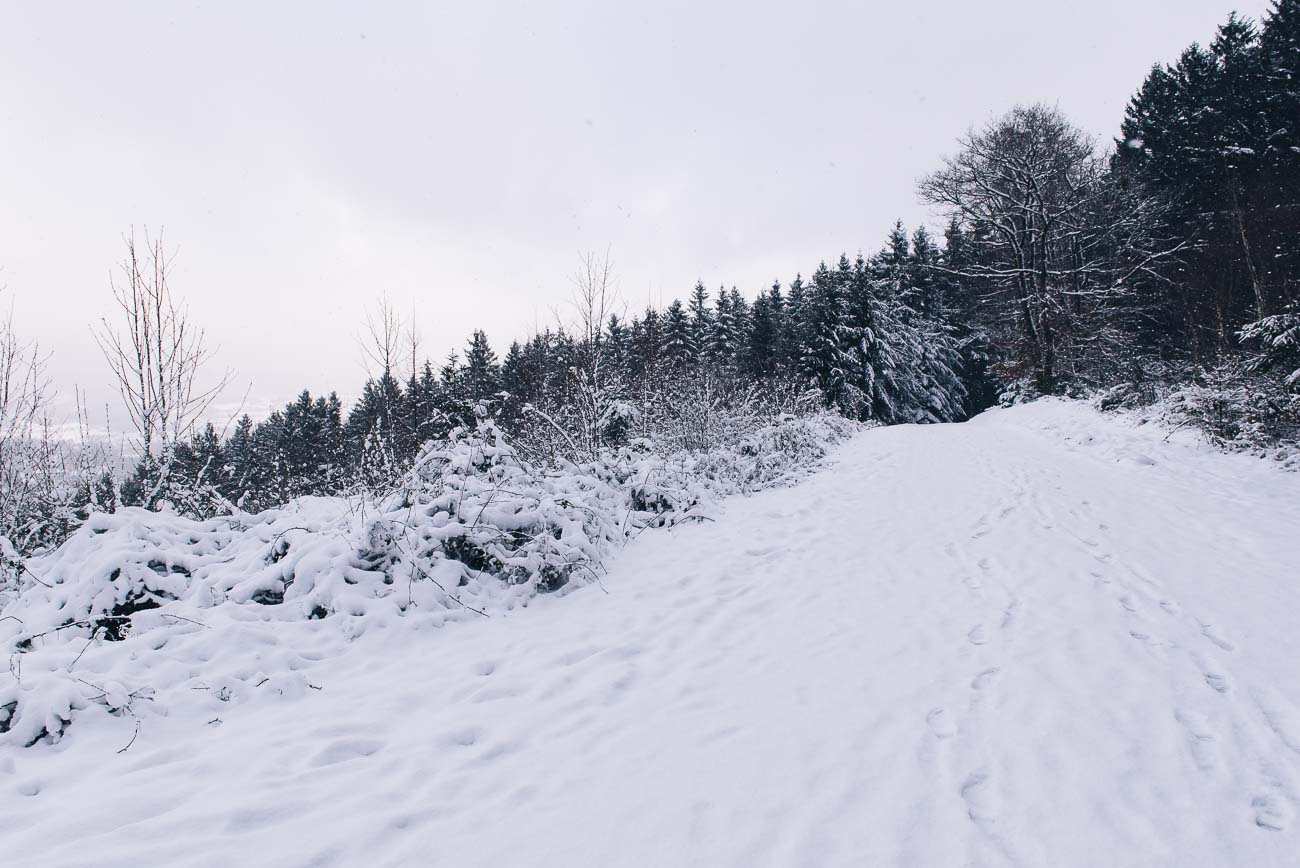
(594,299)
(157,355)
(413,341)
(27,447)
(48,480)
(24,388)
(1054,236)
(381,341)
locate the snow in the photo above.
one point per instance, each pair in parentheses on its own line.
(1043,637)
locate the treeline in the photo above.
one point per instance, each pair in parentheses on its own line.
(1215,137)
(871,338)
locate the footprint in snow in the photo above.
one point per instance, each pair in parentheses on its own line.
(346,749)
(464,736)
(971,583)
(1200,738)
(1209,631)
(1128,603)
(1271,811)
(977,792)
(1217,680)
(977,636)
(985,679)
(1281,717)
(940,723)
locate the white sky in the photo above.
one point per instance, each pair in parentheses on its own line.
(307,157)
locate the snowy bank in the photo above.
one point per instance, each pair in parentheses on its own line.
(141,610)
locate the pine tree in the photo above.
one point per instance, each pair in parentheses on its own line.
(422,420)
(891,263)
(617,351)
(722,334)
(238,470)
(924,287)
(740,315)
(482,374)
(647,340)
(193,474)
(701,324)
(794,343)
(677,345)
(765,335)
(827,358)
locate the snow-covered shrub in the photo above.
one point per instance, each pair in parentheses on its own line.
(1018,391)
(1239,410)
(1240,404)
(474,500)
(1278,340)
(117,617)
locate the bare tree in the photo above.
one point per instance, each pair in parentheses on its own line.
(24,387)
(595,411)
(413,341)
(1054,237)
(26,471)
(594,298)
(157,355)
(382,338)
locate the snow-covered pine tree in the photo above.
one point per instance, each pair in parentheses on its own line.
(701,323)
(794,341)
(722,334)
(762,355)
(677,345)
(647,342)
(828,360)
(617,355)
(482,374)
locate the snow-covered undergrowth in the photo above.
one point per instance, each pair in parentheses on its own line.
(1255,415)
(140,610)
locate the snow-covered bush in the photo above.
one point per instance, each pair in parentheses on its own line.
(1235,405)
(1239,410)
(1278,340)
(118,616)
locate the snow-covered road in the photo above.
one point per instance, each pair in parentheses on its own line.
(1037,639)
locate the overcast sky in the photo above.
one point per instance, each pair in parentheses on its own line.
(306,158)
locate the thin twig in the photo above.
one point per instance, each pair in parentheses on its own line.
(84,648)
(133,736)
(183,618)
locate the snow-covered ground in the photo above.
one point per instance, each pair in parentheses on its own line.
(1041,638)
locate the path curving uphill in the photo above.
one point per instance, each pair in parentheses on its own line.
(1041,638)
